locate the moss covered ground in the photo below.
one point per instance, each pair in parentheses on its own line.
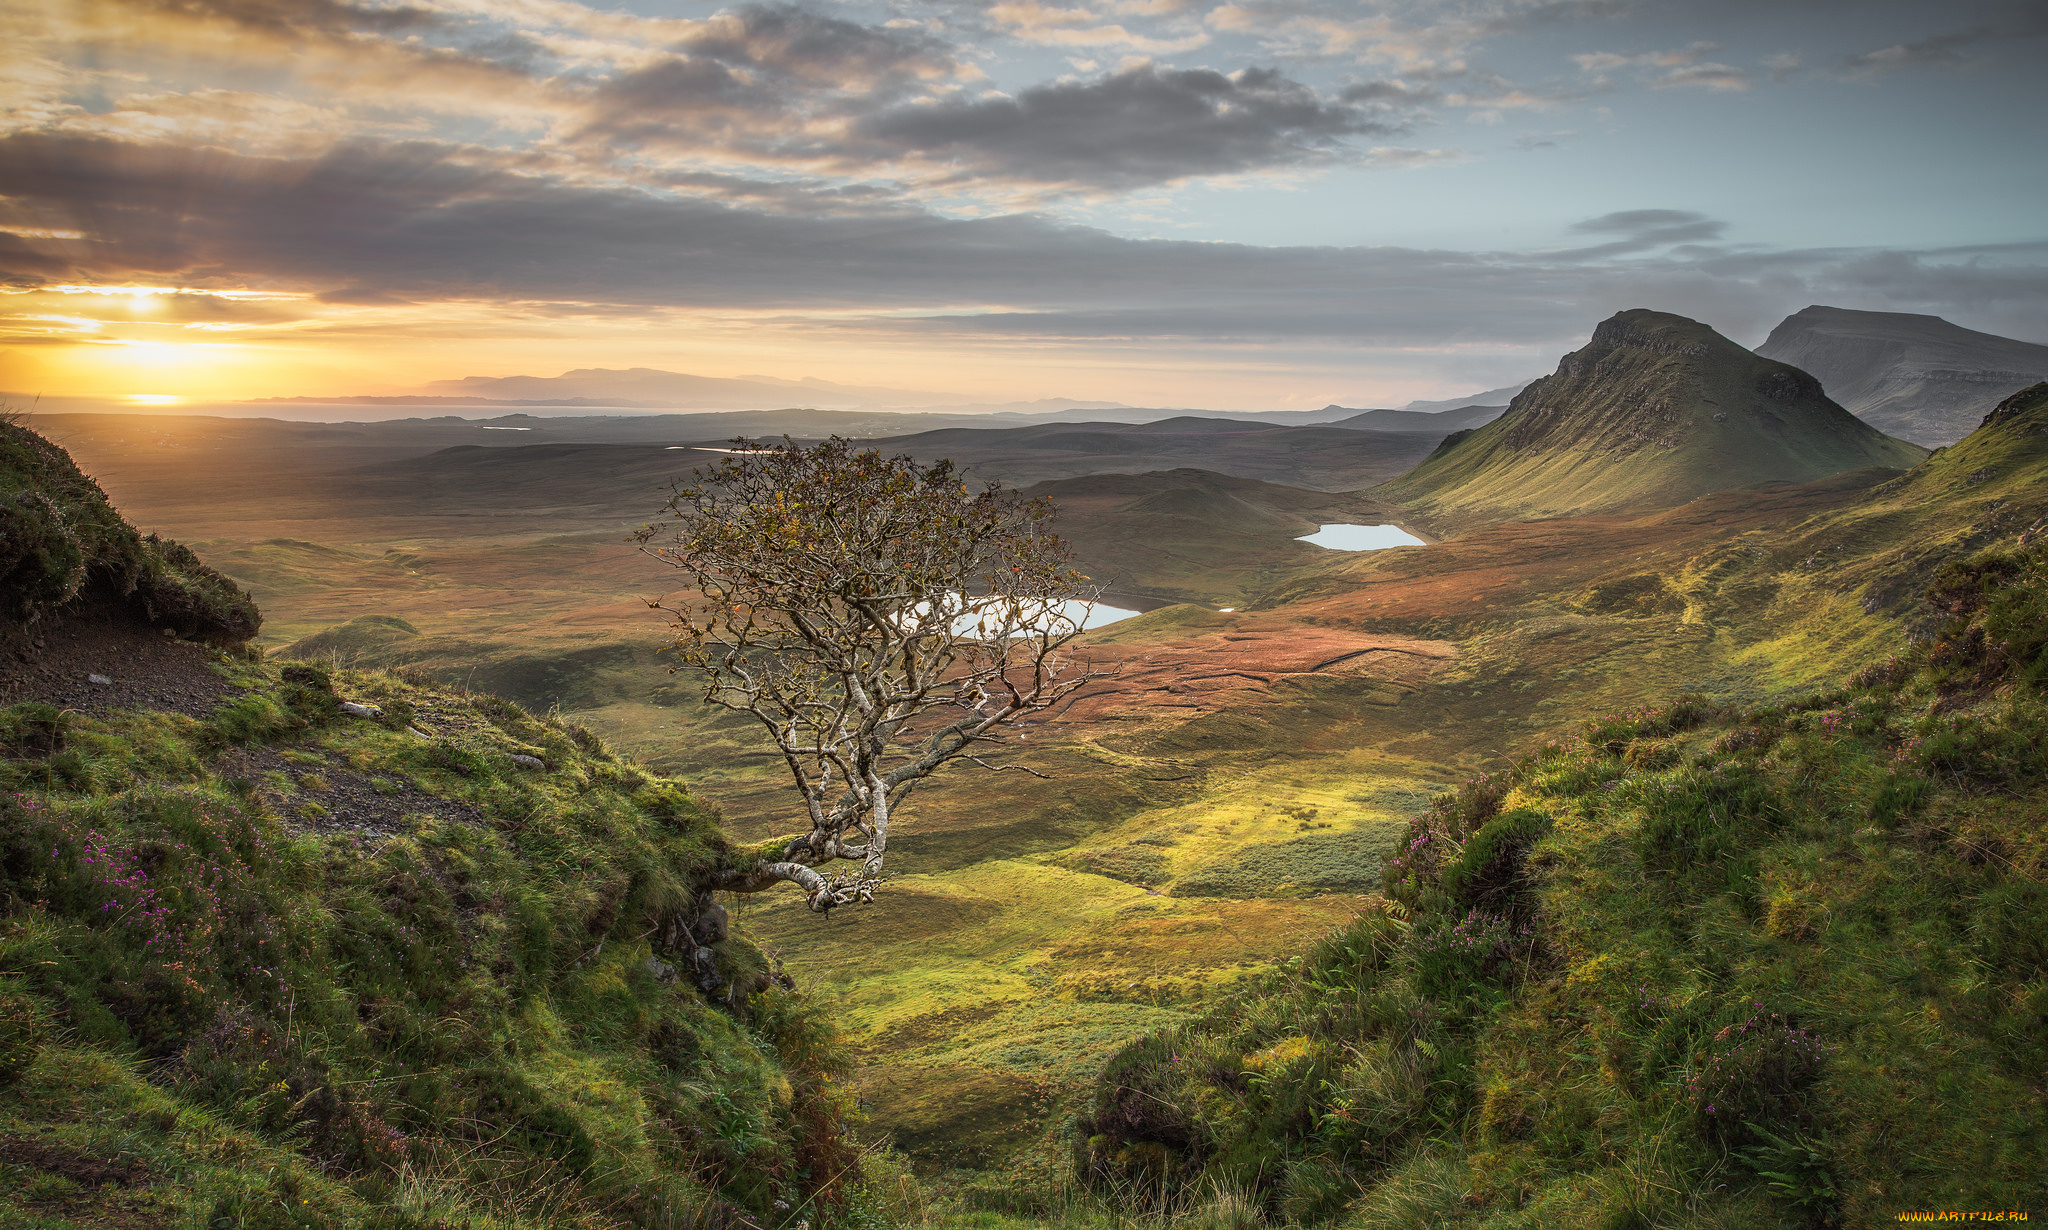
(234,993)
(1697,966)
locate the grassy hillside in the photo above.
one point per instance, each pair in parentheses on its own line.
(334,949)
(1765,967)
(1654,411)
(286,967)
(1987,486)
(1188,842)
(62,545)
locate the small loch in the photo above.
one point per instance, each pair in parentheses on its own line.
(1361,537)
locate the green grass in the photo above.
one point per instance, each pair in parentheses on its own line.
(1347,862)
(1700,966)
(459,1024)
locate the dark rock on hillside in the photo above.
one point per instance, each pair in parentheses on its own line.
(1656,410)
(1916,377)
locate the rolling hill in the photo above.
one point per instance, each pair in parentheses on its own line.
(1192,535)
(1917,377)
(1433,422)
(1325,458)
(1654,411)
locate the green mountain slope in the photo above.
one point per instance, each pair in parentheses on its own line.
(1887,546)
(1776,967)
(1654,411)
(431,963)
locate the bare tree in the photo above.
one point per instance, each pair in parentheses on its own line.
(878,618)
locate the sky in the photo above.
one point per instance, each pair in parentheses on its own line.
(1245,204)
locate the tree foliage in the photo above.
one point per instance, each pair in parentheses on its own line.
(879,618)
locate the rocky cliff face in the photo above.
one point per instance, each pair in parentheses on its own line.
(1654,411)
(1916,377)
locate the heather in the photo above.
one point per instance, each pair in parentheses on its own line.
(1701,965)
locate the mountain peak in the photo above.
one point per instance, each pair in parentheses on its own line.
(1653,411)
(1646,329)
(1922,378)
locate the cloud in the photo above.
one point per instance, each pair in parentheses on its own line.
(1036,22)
(1653,225)
(1709,75)
(296,18)
(369,227)
(1782,66)
(768,81)
(1667,69)
(1999,24)
(1143,125)
(1642,230)
(1940,49)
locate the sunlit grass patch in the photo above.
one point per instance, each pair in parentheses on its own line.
(1340,862)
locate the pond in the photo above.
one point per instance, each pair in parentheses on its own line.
(1094,615)
(1361,537)
(1072,614)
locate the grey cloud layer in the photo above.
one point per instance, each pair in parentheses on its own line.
(382,223)
(746,78)
(1144,125)
(796,88)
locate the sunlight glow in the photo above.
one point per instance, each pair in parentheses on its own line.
(140,295)
(155,399)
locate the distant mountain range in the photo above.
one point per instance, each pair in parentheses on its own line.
(1654,411)
(1916,377)
(646,388)
(1492,397)
(1919,378)
(653,388)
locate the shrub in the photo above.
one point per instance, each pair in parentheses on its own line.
(1488,873)
(1452,957)
(1756,1078)
(1696,821)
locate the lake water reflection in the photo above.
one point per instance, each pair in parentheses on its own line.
(1361,537)
(1071,615)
